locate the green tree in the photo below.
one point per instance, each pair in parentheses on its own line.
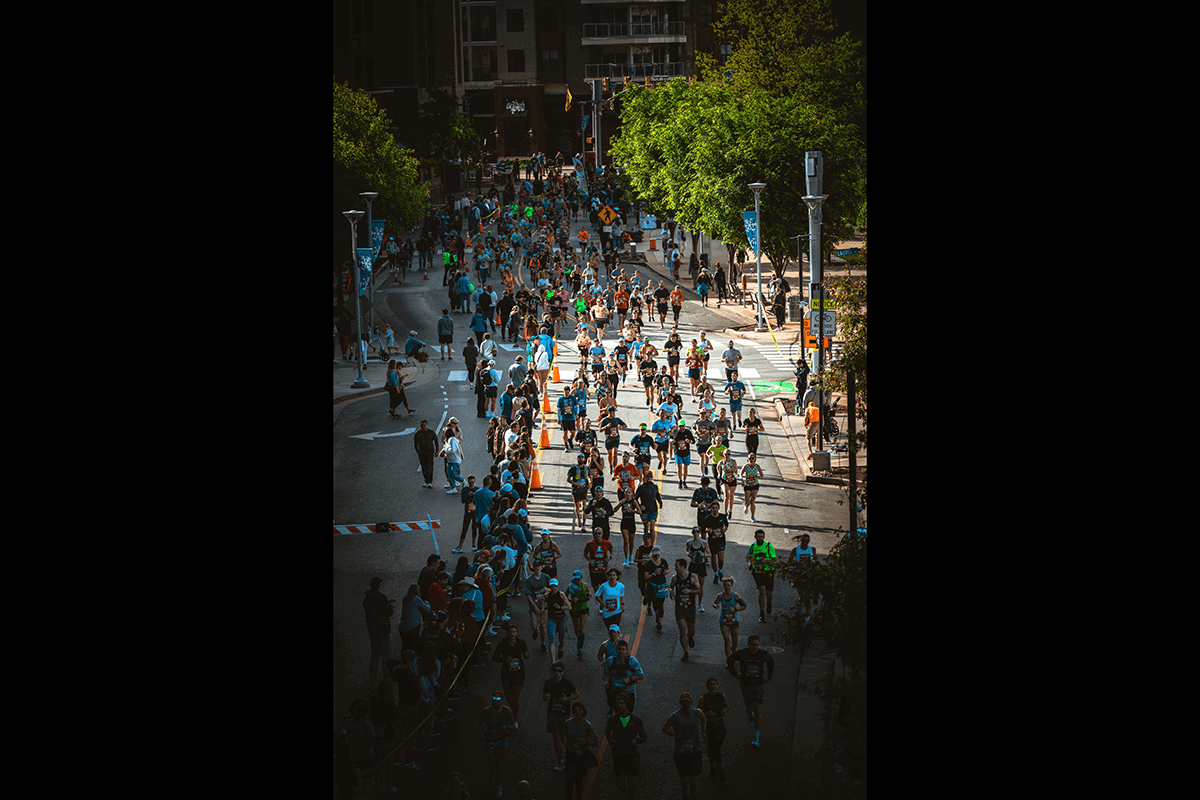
(367,158)
(443,135)
(838,585)
(694,148)
(790,48)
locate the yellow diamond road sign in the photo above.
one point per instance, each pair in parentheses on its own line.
(608,215)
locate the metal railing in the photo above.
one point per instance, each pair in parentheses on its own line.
(666,70)
(603,30)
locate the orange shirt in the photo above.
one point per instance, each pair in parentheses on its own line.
(622,299)
(812,414)
(626,475)
(676,298)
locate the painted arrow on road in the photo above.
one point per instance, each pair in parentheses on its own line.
(370,437)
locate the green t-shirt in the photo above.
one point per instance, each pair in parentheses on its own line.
(762,559)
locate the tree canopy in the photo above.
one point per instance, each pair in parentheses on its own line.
(693,148)
(367,158)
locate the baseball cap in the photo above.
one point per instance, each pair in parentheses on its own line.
(577,573)
(554,581)
(412,333)
(683,422)
(616,628)
(655,549)
(545,531)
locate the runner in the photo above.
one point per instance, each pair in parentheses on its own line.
(577,477)
(730,603)
(682,441)
(597,553)
(558,692)
(624,730)
(715,706)
(702,500)
(750,476)
(511,653)
(580,598)
(695,360)
(626,474)
(624,672)
(610,598)
(566,417)
(556,619)
(760,558)
(650,499)
(579,736)
(629,512)
(697,553)
(495,721)
(757,668)
(661,429)
(610,425)
(684,588)
(643,445)
(673,347)
(718,526)
(687,725)
(804,556)
(547,554)
(676,304)
(647,369)
(735,389)
(537,586)
(600,509)
(704,429)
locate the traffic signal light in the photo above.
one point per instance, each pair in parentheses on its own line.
(607,86)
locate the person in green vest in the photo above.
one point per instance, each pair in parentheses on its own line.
(760,558)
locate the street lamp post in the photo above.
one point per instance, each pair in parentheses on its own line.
(756,188)
(814,173)
(369,196)
(354,216)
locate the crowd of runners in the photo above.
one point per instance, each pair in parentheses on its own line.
(458,621)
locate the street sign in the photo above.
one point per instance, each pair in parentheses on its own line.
(607,215)
(810,338)
(829,317)
(817,302)
(849,251)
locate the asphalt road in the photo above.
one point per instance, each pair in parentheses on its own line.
(376,479)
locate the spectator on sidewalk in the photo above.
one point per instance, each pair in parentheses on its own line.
(445,334)
(378,609)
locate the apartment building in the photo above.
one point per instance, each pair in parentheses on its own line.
(511,63)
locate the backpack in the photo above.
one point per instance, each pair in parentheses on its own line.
(486,377)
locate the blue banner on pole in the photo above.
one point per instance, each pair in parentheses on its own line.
(377,226)
(750,219)
(364,269)
(582,176)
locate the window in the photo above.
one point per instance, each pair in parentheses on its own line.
(706,13)
(516,60)
(516,20)
(483,25)
(547,61)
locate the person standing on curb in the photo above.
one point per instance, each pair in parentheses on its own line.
(687,726)
(625,731)
(425,443)
(445,331)
(378,609)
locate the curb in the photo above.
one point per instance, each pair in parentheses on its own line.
(793,438)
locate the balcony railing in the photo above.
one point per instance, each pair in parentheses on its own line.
(666,70)
(603,30)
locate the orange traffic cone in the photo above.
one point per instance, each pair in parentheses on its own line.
(546,403)
(536,481)
(545,438)
(555,375)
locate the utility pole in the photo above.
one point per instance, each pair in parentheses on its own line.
(814,173)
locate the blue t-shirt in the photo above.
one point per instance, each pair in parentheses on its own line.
(566,409)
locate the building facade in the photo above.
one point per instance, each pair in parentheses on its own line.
(510,63)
